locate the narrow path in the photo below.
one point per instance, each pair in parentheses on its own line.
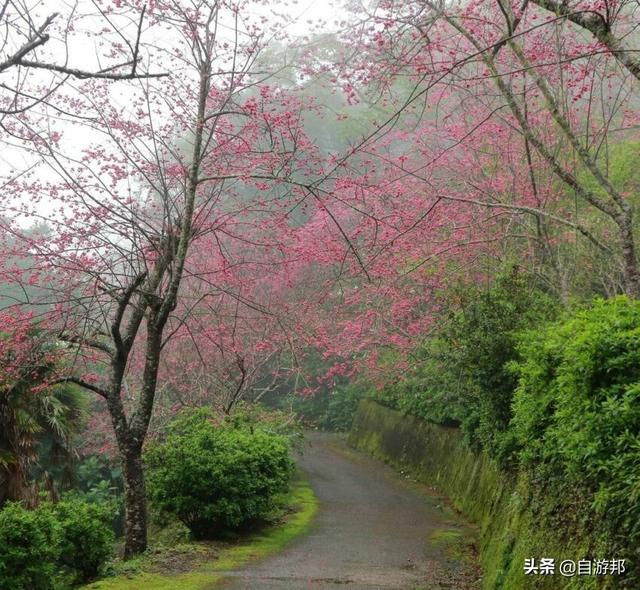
(372,531)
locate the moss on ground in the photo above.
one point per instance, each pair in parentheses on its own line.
(453,542)
(209,562)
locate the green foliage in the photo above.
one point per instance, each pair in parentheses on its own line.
(38,421)
(253,416)
(342,405)
(577,411)
(587,270)
(97,481)
(216,477)
(311,409)
(37,435)
(86,536)
(483,337)
(162,568)
(94,471)
(53,545)
(29,548)
(429,389)
(461,374)
(560,400)
(329,409)
(620,161)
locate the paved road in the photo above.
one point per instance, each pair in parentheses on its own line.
(371,531)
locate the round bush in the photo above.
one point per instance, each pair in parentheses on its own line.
(29,548)
(86,536)
(216,478)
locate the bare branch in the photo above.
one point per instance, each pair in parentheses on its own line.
(599,27)
(85,384)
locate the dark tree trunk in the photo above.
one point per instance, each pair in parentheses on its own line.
(629,257)
(135,503)
(130,434)
(130,453)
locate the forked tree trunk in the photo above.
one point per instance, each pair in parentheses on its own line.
(130,435)
(154,306)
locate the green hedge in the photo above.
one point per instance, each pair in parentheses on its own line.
(54,545)
(558,402)
(29,548)
(87,536)
(217,477)
(577,418)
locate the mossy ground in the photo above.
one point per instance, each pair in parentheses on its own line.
(202,566)
(453,542)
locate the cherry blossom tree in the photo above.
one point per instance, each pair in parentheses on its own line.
(489,141)
(610,22)
(43,47)
(196,237)
(553,81)
(151,219)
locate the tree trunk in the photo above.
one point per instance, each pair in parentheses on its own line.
(14,483)
(130,435)
(135,502)
(629,258)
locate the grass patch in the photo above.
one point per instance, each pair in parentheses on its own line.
(454,543)
(211,561)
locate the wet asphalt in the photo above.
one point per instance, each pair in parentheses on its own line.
(372,530)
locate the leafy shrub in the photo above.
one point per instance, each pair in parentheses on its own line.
(98,481)
(53,545)
(96,473)
(86,535)
(29,547)
(577,410)
(253,416)
(214,478)
(428,389)
(342,405)
(484,337)
(461,372)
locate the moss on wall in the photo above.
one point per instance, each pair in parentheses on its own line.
(512,527)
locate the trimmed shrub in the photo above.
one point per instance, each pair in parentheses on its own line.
(87,536)
(29,547)
(215,478)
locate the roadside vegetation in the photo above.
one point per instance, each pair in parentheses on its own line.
(222,491)
(550,395)
(176,562)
